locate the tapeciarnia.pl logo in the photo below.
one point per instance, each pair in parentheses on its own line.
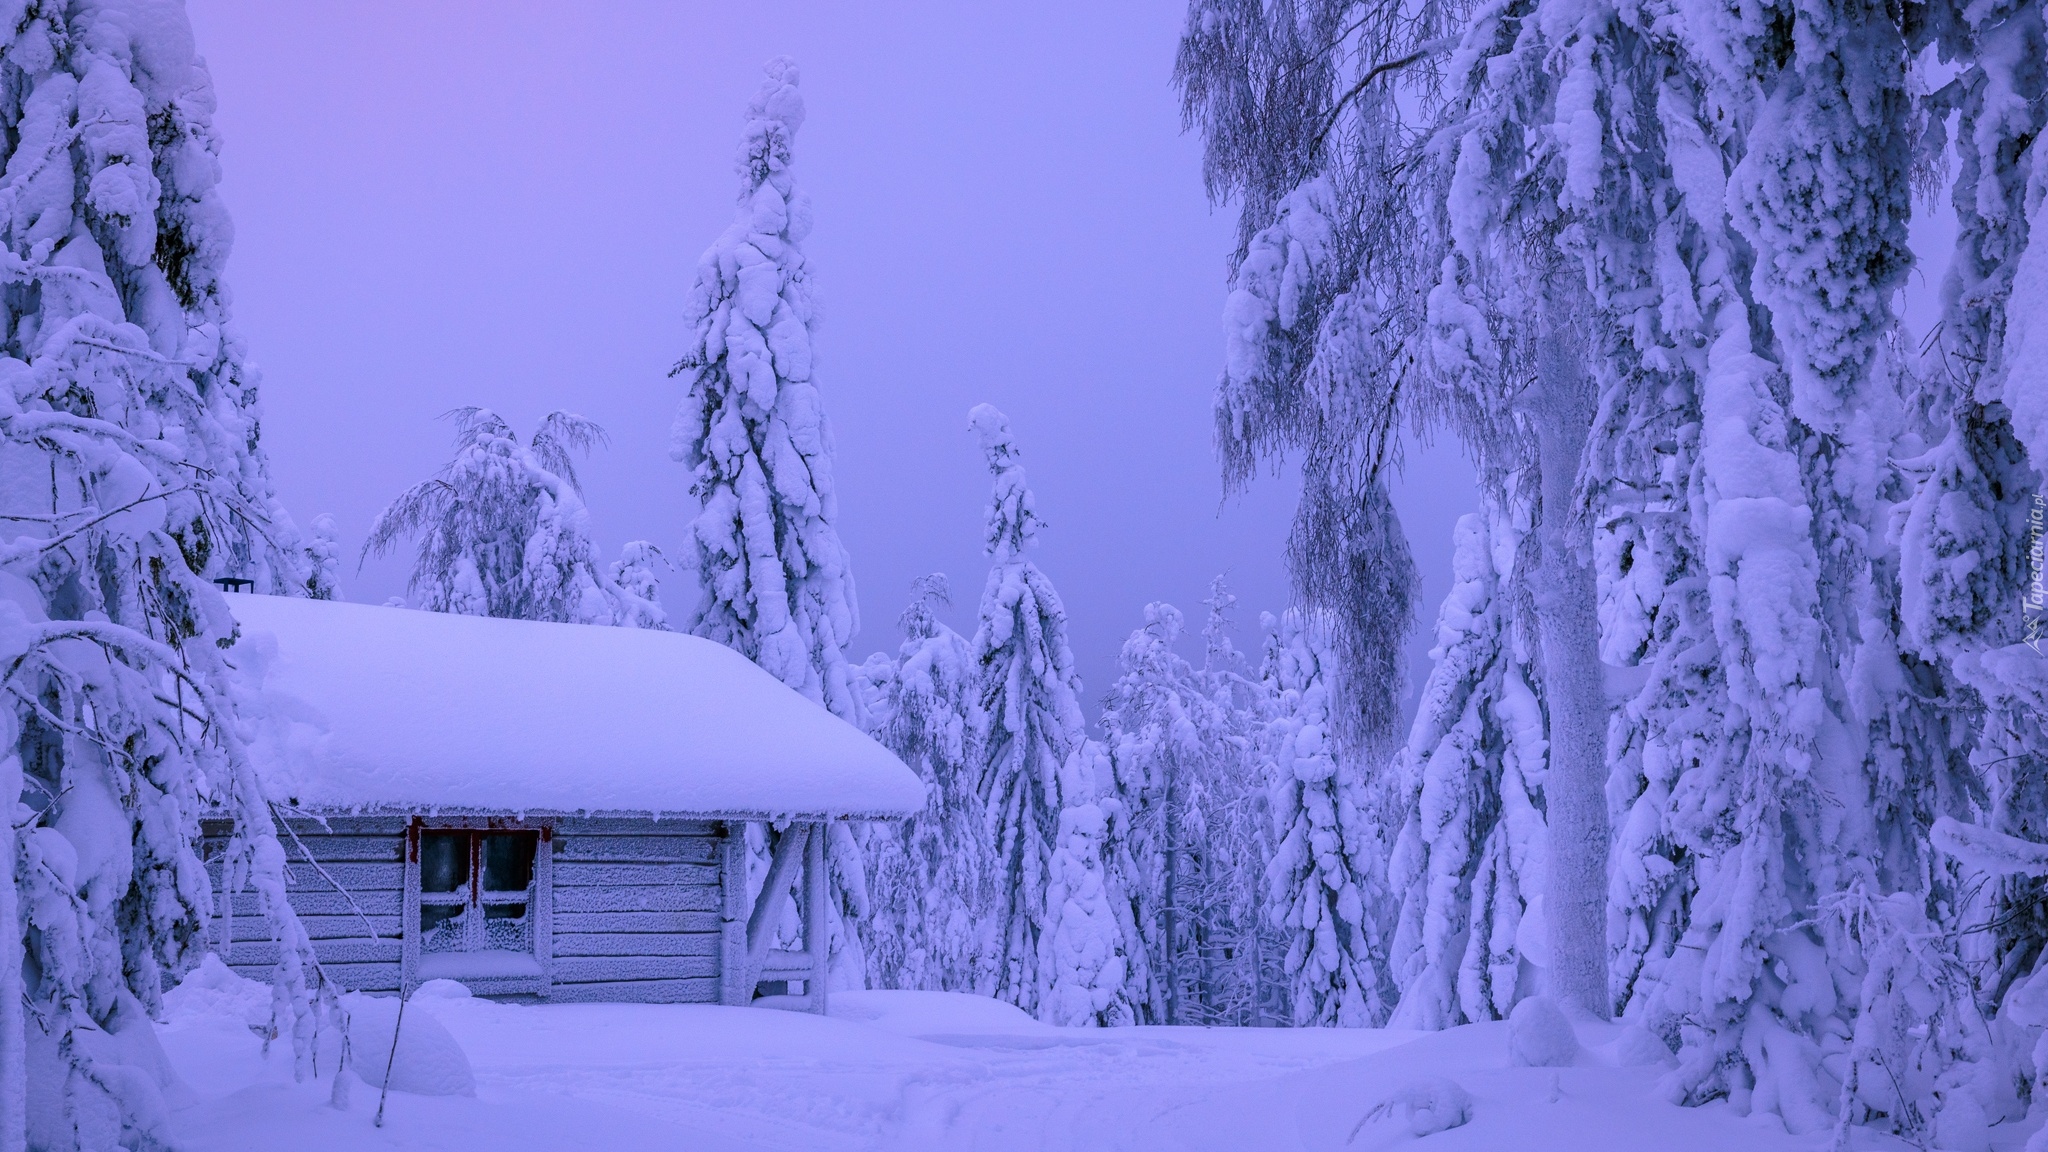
(2036,599)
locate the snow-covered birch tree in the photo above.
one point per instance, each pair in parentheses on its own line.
(1031,720)
(502,531)
(1322,316)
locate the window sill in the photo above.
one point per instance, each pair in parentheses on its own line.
(461,965)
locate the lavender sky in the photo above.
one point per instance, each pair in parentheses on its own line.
(503,203)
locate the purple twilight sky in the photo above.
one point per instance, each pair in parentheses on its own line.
(503,204)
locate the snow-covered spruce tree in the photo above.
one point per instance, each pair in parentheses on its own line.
(1085,948)
(635,575)
(1507,180)
(927,925)
(1031,720)
(1970,543)
(122,733)
(775,583)
(1156,718)
(1469,860)
(1327,879)
(502,530)
(323,559)
(1191,833)
(115,211)
(128,444)
(1245,951)
(1730,476)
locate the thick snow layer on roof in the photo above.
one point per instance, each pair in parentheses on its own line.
(353,706)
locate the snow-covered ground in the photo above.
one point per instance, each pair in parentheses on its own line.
(917,1070)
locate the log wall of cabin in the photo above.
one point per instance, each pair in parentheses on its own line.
(639,911)
(636,912)
(365,855)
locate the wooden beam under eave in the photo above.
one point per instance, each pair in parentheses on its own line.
(789,852)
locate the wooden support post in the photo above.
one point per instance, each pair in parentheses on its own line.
(732,917)
(817,936)
(541,913)
(789,849)
(409,925)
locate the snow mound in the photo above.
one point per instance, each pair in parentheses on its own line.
(428,1061)
(212,993)
(1638,1047)
(443,990)
(1429,1105)
(360,707)
(927,1014)
(1539,1036)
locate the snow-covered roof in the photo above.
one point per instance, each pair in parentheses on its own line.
(366,708)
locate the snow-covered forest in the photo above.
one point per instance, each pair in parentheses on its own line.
(1724,795)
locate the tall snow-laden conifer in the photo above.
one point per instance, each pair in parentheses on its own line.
(1086,950)
(1157,717)
(931,873)
(1970,546)
(1242,962)
(1807,550)
(1191,835)
(116,214)
(775,583)
(1327,877)
(503,531)
(1031,718)
(1469,860)
(1756,197)
(132,474)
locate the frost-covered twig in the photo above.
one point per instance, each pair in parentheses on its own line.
(1431,48)
(336,884)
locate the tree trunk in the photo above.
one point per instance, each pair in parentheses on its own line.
(1566,600)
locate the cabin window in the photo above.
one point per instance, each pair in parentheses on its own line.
(479,892)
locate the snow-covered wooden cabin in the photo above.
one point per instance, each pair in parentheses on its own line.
(553,810)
